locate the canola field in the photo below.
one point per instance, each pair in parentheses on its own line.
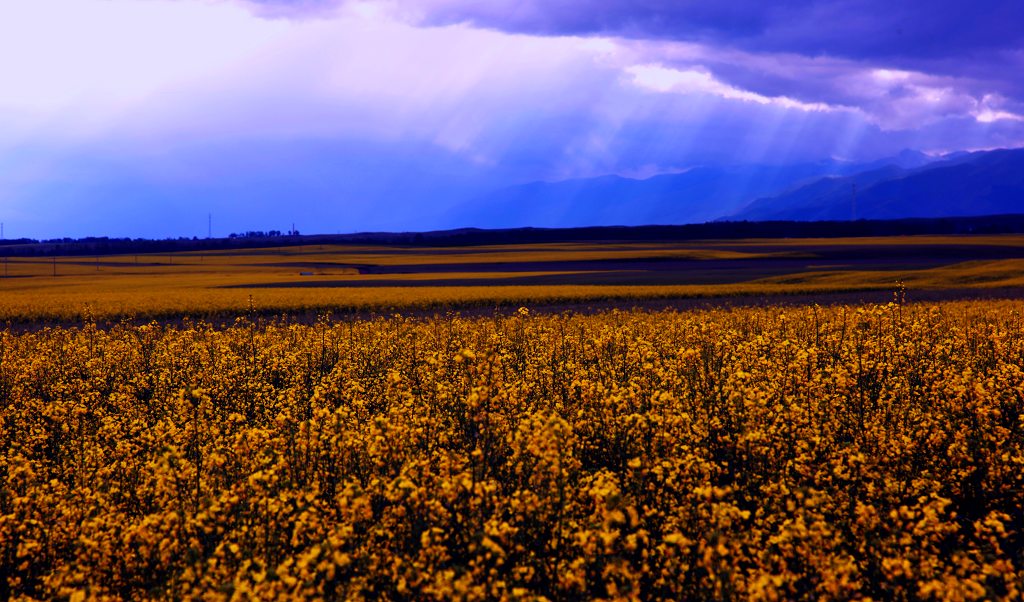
(869,452)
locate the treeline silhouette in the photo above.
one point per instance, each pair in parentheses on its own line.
(102,245)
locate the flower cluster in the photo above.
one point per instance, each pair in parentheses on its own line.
(761,453)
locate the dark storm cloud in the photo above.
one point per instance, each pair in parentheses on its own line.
(981,40)
(864,29)
(936,31)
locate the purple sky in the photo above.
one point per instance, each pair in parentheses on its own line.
(139,117)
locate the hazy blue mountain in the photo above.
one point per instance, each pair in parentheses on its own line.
(806,200)
(907,159)
(981,183)
(697,195)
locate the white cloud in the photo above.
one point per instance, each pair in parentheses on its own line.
(991,109)
(890,98)
(989,116)
(698,81)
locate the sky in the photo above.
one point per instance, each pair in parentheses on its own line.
(144,118)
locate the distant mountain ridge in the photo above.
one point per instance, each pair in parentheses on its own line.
(964,184)
(698,195)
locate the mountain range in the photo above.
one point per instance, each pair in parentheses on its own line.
(910,184)
(979,183)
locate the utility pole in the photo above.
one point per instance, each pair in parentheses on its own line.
(209,225)
(54,266)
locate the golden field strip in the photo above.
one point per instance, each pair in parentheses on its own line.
(217,283)
(821,453)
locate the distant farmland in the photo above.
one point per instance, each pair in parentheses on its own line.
(317,278)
